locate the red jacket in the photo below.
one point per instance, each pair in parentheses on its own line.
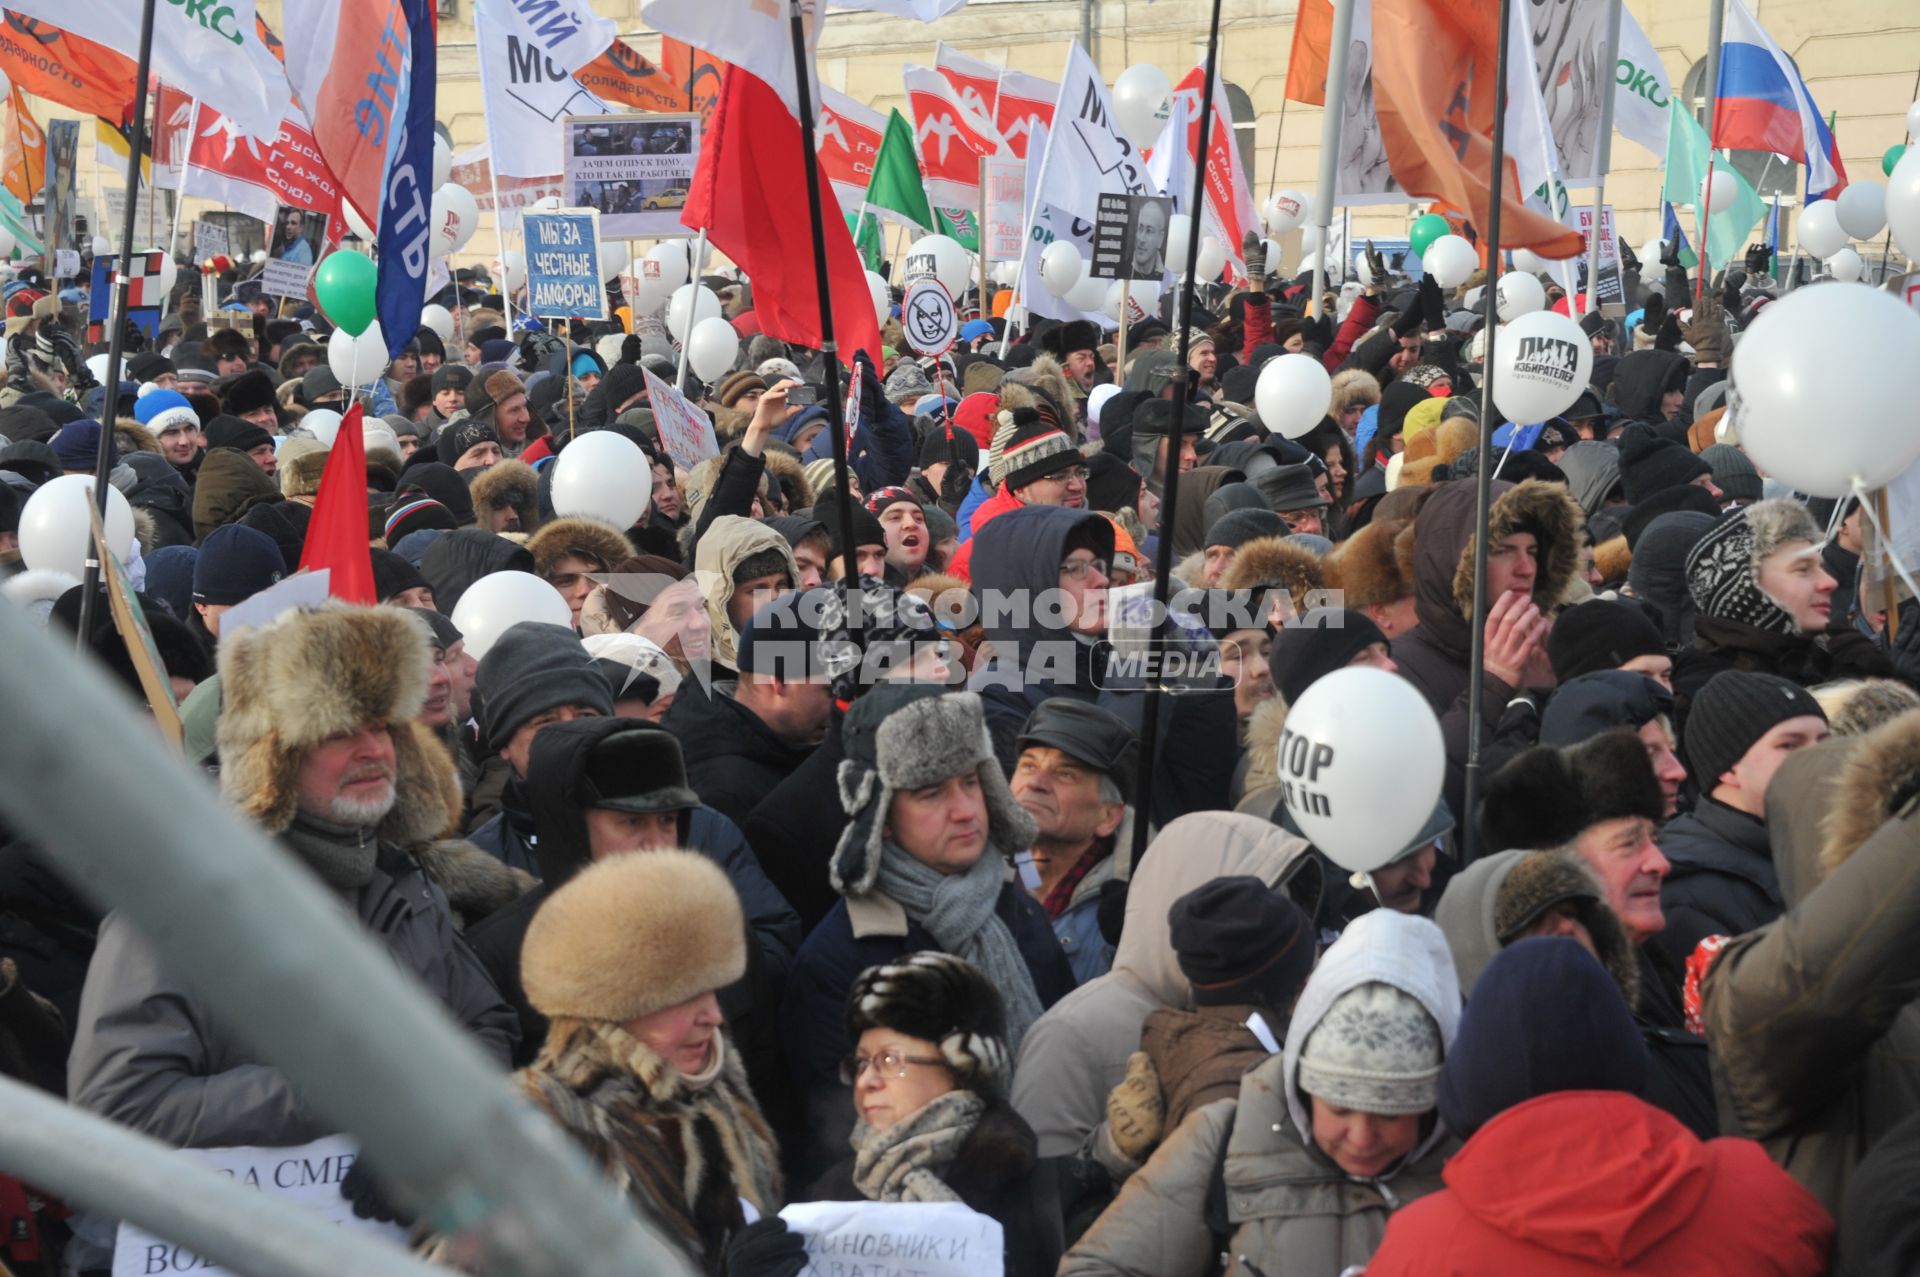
(983,514)
(1587,1182)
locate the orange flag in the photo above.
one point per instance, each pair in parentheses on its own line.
(23,149)
(696,74)
(1435,88)
(625,75)
(1312,42)
(66,68)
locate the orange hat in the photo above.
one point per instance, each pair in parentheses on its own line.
(1001,301)
(1123,544)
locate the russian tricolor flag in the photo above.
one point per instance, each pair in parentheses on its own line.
(1764,105)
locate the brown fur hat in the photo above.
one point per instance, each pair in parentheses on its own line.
(302,462)
(1550,513)
(1612,558)
(504,484)
(581,538)
(1044,377)
(633,935)
(1266,563)
(1374,565)
(311,675)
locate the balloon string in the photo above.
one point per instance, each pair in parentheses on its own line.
(1886,542)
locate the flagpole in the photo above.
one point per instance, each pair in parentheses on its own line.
(980,231)
(693,278)
(1330,140)
(1716,23)
(173,237)
(1468,823)
(493,180)
(803,89)
(1176,433)
(117,316)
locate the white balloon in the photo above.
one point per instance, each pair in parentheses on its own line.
(1525,259)
(259,255)
(676,261)
(56,531)
(1145,294)
(1903,203)
(711,349)
(323,424)
(438,319)
(1450,259)
(101,245)
(501,600)
(1650,252)
(442,161)
(1362,271)
(1913,120)
(1213,258)
(1334,752)
(512,269)
(1862,209)
(1815,398)
(1088,295)
(882,297)
(952,264)
(1141,99)
(1718,190)
(1309,239)
(1845,265)
(358,224)
(1820,231)
(615,257)
(603,475)
(1309,263)
(1292,394)
(1285,211)
(1276,256)
(1541,363)
(546,203)
(1519,294)
(358,361)
(455,217)
(690,304)
(1061,267)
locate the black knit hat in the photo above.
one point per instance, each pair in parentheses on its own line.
(1735,709)
(226,431)
(463,435)
(1601,634)
(622,382)
(1112,485)
(1240,941)
(942,999)
(393,574)
(452,377)
(235,563)
(1238,384)
(933,448)
(1687,496)
(1649,463)
(1288,488)
(534,667)
(1322,641)
(1237,527)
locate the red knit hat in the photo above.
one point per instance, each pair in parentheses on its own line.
(975,415)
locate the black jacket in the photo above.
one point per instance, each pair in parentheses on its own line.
(46,928)
(455,561)
(733,758)
(1722,882)
(795,827)
(1678,1079)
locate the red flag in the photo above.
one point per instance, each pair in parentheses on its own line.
(337,532)
(749,194)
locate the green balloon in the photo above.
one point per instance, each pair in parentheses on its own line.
(1892,157)
(344,284)
(1427,228)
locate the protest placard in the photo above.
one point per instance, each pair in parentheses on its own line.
(1612,290)
(927,1239)
(635,170)
(563,264)
(307,1176)
(1006,189)
(210,239)
(685,432)
(131,624)
(298,242)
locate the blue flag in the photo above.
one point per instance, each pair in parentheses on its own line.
(408,200)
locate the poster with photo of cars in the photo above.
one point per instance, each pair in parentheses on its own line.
(634,170)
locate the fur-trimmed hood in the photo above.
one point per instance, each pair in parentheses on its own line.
(1264,729)
(1374,565)
(506,484)
(476,883)
(785,469)
(1044,376)
(1864,783)
(311,675)
(1444,541)
(1275,563)
(131,436)
(581,538)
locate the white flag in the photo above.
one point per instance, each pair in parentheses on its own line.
(924,10)
(566,31)
(754,36)
(213,50)
(1569,43)
(526,92)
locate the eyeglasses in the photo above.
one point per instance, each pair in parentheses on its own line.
(890,1064)
(1072,474)
(1075,569)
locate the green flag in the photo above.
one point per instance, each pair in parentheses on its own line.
(1687,155)
(895,185)
(865,229)
(961,225)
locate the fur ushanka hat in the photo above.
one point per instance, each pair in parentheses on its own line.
(907,736)
(314,674)
(942,999)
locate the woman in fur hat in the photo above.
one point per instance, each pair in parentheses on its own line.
(930,1072)
(624,960)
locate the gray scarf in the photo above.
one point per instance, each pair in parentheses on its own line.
(958,910)
(904,1163)
(342,857)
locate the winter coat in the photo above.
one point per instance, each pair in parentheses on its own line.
(455,561)
(1074,1055)
(151,1055)
(1809,660)
(1574,1183)
(867,931)
(733,758)
(1078,926)
(230,484)
(1642,378)
(996,1173)
(46,928)
(161,491)
(795,826)
(729,541)
(1288,1208)
(881,451)
(1201,1055)
(1721,882)
(1434,655)
(1815,1030)
(961,565)
(1355,326)
(1880,1220)
(1592,468)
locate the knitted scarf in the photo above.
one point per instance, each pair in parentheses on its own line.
(904,1163)
(342,857)
(958,910)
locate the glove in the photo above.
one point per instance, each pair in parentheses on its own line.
(358,1187)
(1629,260)
(1670,254)
(1707,331)
(1254,249)
(1433,305)
(766,1248)
(1409,321)
(1656,312)
(1668,338)
(1318,330)
(630,349)
(1136,1111)
(1759,259)
(1376,264)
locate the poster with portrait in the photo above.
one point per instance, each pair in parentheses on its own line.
(634,170)
(293,249)
(1148,217)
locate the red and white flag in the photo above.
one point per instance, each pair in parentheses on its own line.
(205,153)
(977,82)
(1230,212)
(747,33)
(1023,112)
(849,137)
(952,138)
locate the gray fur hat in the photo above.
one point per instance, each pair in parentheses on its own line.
(906,736)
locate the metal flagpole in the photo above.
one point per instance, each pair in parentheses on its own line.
(117,316)
(1279,133)
(1468,824)
(803,87)
(1176,434)
(173,236)
(493,180)
(698,260)
(1330,140)
(1716,22)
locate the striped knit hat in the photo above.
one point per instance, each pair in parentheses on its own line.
(416,514)
(1026,447)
